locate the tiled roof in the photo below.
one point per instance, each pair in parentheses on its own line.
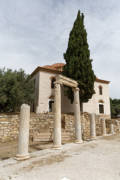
(58,65)
(102,81)
(57,68)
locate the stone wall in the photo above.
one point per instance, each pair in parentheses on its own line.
(40,123)
(43,123)
(8,127)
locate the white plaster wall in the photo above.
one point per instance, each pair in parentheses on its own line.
(44,91)
(93,104)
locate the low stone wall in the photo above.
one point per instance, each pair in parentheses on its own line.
(40,123)
(8,127)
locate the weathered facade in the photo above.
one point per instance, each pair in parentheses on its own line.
(44,78)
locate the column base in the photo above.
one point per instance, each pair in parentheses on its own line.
(93,138)
(78,141)
(112,133)
(109,134)
(22,157)
(57,147)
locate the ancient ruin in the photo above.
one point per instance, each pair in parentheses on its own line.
(23,139)
(61,80)
(103,126)
(93,127)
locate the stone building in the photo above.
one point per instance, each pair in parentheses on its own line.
(44,78)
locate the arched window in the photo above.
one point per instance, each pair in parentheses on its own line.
(52,82)
(100,90)
(101,107)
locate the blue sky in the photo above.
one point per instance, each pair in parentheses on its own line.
(35,33)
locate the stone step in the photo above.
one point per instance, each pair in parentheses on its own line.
(38,134)
(49,137)
(65,135)
(42,139)
(66,138)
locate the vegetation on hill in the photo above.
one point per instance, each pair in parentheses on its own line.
(78,63)
(15,89)
(115,107)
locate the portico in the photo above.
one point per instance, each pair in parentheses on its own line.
(60,81)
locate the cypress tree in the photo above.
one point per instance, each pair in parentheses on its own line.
(78,63)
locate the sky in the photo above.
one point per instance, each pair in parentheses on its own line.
(35,33)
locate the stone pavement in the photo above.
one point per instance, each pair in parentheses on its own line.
(95,160)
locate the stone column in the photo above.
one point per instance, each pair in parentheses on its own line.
(93,126)
(78,130)
(23,139)
(57,120)
(112,129)
(104,127)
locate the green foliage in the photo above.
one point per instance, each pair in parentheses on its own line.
(15,89)
(78,63)
(115,107)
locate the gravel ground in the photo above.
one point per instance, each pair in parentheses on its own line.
(9,149)
(94,160)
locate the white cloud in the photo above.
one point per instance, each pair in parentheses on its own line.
(34,33)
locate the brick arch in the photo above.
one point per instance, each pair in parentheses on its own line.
(101,101)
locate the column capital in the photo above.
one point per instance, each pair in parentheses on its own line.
(76,89)
(57,84)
